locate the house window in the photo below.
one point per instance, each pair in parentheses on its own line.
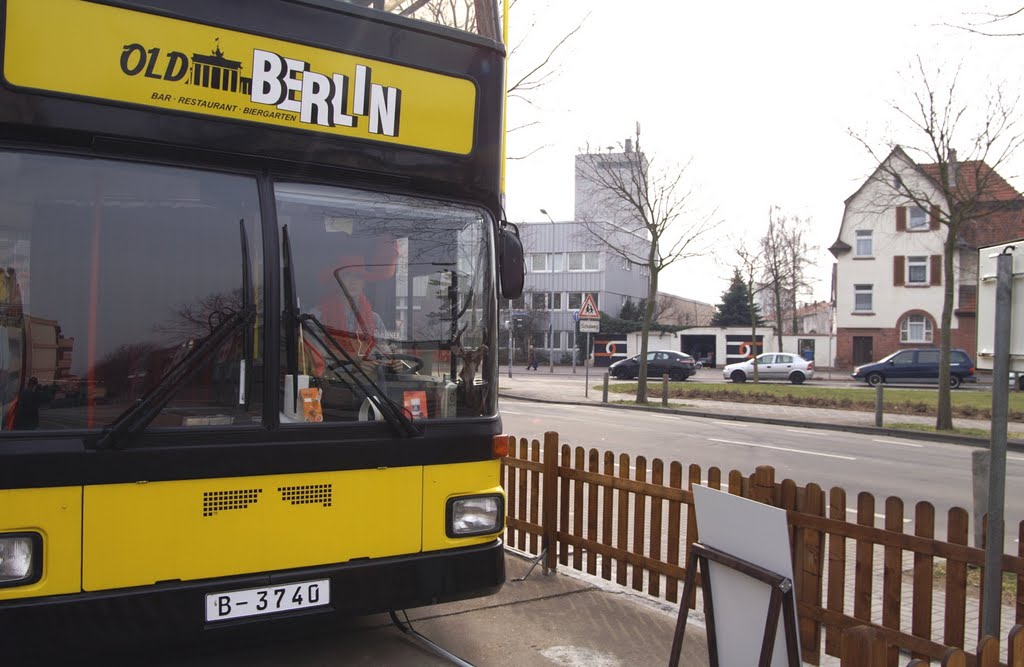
(627,265)
(557,301)
(538,301)
(918,218)
(583,261)
(862,301)
(916,329)
(864,248)
(539,262)
(558,261)
(917,270)
(645,270)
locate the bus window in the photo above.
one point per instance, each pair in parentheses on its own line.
(478,16)
(113,273)
(391,298)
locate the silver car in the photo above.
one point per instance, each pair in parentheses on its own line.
(771,366)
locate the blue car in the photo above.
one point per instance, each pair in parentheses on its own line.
(917,366)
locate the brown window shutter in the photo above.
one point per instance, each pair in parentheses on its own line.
(933,222)
(901,218)
(936,270)
(898,272)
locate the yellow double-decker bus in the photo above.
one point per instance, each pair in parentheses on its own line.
(250,261)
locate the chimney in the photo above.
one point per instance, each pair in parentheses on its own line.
(952,167)
(629,145)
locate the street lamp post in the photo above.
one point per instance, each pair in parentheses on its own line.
(551,300)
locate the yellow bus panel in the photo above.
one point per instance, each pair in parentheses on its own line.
(56,514)
(448,481)
(143,533)
(120,55)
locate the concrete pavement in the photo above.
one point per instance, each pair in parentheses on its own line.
(565,618)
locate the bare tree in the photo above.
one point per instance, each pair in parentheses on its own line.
(749,265)
(800,259)
(992,24)
(776,277)
(957,189)
(643,216)
(528,74)
(785,256)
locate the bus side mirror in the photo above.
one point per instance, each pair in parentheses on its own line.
(511,261)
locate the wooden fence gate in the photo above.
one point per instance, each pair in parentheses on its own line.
(633,523)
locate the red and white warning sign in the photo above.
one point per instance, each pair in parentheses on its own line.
(588,311)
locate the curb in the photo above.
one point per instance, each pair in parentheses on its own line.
(966,440)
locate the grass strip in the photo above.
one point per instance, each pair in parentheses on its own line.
(965,404)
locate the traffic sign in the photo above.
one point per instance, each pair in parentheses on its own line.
(589,309)
(590,326)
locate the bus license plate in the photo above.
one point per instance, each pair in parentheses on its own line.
(267,600)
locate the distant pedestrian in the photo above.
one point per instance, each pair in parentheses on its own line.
(531,359)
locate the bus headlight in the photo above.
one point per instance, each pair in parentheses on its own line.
(475,515)
(20,559)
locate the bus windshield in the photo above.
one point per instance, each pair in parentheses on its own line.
(391,300)
(475,16)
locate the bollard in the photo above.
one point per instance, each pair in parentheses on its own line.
(878,405)
(604,392)
(664,390)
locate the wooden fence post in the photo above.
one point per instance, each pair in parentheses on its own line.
(1015,647)
(549,513)
(862,647)
(763,485)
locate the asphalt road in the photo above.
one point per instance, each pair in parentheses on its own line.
(912,470)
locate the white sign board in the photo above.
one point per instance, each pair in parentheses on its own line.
(590,326)
(758,534)
(986,317)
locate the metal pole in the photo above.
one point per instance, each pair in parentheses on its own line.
(879,405)
(992,585)
(586,366)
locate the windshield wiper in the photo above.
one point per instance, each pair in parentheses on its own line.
(135,419)
(386,406)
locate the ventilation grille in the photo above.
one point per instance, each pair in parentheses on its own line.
(222,501)
(307,494)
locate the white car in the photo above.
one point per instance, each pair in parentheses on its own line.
(771,366)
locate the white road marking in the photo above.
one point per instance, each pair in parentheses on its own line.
(853,510)
(784,449)
(510,412)
(731,424)
(896,442)
(1015,458)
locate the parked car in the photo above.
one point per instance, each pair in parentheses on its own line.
(771,366)
(917,366)
(677,365)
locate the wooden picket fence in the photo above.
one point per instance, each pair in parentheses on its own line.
(631,522)
(864,647)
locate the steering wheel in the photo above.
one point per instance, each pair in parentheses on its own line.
(413,362)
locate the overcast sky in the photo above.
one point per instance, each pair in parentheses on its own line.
(760,96)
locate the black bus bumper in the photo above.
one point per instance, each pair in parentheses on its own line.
(177,610)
